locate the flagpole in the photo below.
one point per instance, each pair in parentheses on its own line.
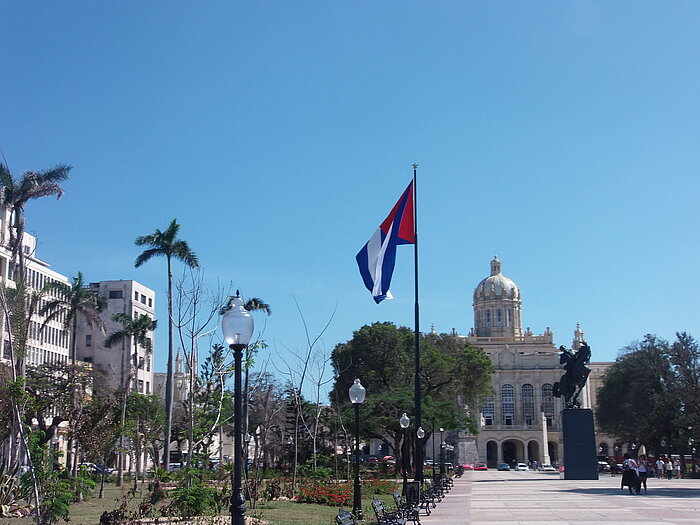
(417,393)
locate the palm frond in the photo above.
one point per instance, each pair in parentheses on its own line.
(182,251)
(147,256)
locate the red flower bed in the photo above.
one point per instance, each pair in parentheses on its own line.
(332,494)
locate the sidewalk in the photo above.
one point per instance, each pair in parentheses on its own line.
(500,498)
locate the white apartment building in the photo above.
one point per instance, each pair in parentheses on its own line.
(111,365)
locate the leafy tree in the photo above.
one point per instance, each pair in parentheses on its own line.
(145,417)
(684,354)
(137,329)
(453,375)
(166,244)
(70,301)
(637,401)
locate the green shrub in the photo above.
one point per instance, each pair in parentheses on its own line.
(196,500)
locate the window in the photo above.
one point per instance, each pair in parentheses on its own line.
(489,411)
(141,385)
(148,364)
(478,318)
(510,317)
(136,296)
(548,403)
(26,249)
(150,302)
(508,404)
(88,340)
(499,317)
(148,387)
(116,294)
(488,318)
(528,401)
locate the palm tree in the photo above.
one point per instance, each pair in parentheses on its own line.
(15,193)
(168,245)
(137,329)
(71,301)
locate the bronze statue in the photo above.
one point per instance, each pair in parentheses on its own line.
(574,379)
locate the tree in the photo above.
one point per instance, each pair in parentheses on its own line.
(145,417)
(166,244)
(637,401)
(15,193)
(70,301)
(684,354)
(137,329)
(454,376)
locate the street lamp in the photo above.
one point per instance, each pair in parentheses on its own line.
(442,451)
(420,434)
(404,422)
(357,397)
(432,439)
(237,326)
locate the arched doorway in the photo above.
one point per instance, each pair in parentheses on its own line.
(533,451)
(603,449)
(553,451)
(491,454)
(512,451)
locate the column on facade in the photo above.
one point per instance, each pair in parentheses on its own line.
(545,442)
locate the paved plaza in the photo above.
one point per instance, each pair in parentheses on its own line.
(541,497)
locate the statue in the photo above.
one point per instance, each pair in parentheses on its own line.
(574,379)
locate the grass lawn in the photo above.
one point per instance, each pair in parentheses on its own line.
(274,512)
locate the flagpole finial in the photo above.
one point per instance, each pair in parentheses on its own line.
(415,166)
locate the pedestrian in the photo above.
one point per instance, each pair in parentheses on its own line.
(613,467)
(643,469)
(669,468)
(659,468)
(677,467)
(630,476)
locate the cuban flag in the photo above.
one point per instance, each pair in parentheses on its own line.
(376,259)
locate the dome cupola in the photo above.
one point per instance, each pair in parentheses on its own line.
(497,305)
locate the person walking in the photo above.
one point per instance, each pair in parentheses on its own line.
(643,470)
(669,468)
(659,468)
(630,476)
(677,467)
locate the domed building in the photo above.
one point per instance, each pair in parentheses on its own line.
(520,421)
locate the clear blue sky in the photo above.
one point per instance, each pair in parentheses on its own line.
(561,136)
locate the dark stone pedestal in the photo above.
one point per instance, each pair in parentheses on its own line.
(580,461)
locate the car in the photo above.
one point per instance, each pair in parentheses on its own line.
(603,466)
(547,468)
(522,467)
(467,466)
(481,466)
(389,460)
(103,469)
(504,466)
(428,462)
(373,460)
(449,466)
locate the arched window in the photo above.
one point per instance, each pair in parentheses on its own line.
(603,449)
(548,403)
(528,401)
(489,411)
(508,404)
(488,318)
(499,317)
(510,317)
(478,318)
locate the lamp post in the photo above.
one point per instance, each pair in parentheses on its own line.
(357,397)
(404,422)
(237,326)
(246,439)
(420,434)
(290,442)
(432,439)
(442,451)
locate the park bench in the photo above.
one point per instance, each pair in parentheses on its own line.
(384,517)
(345,518)
(409,510)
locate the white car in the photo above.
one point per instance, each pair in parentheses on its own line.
(522,467)
(547,468)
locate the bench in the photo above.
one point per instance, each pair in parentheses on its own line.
(345,518)
(409,510)
(384,517)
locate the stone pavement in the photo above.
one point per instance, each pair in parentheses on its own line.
(500,498)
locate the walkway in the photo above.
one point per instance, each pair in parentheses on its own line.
(500,498)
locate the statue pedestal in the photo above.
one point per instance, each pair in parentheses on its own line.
(580,461)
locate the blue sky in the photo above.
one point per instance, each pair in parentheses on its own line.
(560,136)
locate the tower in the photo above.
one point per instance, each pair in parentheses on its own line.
(497,306)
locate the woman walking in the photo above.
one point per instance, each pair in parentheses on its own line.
(644,471)
(630,476)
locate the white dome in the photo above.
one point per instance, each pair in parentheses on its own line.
(496,285)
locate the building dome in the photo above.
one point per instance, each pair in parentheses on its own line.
(497,306)
(496,285)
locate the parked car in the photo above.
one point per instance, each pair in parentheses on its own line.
(449,466)
(373,460)
(603,466)
(547,468)
(468,466)
(481,466)
(522,467)
(389,460)
(504,466)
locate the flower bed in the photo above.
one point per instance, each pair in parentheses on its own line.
(323,493)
